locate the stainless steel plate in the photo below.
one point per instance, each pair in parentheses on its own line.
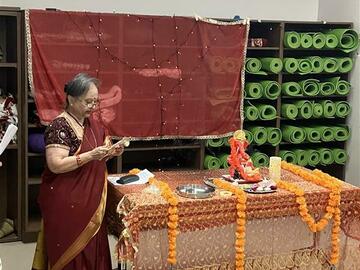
(195,191)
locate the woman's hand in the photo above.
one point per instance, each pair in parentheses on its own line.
(118,150)
(99,153)
(115,150)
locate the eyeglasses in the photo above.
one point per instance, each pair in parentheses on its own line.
(90,103)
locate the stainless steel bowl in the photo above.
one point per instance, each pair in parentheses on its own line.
(195,191)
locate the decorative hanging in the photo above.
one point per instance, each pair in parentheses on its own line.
(161,76)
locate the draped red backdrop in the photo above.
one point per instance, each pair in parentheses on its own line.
(162,76)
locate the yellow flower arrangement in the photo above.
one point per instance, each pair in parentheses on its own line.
(332,209)
(173,216)
(240,220)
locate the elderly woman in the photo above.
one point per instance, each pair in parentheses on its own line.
(73,190)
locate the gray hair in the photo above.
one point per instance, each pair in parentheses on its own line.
(80,84)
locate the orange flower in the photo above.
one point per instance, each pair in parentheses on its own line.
(240,220)
(172,210)
(173,216)
(332,209)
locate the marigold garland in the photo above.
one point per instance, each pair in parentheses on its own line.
(332,209)
(240,220)
(173,216)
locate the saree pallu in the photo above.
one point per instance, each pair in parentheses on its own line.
(72,206)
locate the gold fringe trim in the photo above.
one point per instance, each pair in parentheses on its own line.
(176,137)
(243,77)
(56,145)
(29,52)
(301,259)
(218,22)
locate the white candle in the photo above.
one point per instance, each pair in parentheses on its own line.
(275,168)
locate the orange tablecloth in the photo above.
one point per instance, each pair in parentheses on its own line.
(137,213)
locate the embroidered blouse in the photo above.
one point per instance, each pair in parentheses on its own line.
(60,134)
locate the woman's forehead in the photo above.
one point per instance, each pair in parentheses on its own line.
(92,92)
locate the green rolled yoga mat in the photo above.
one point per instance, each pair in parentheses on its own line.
(274,65)
(326,156)
(318,110)
(331,41)
(251,113)
(301,157)
(291,65)
(341,133)
(260,159)
(327,88)
(319,40)
(329,108)
(342,109)
(313,157)
(289,111)
(312,135)
(317,64)
(253,65)
(345,64)
(348,39)
(272,89)
(253,90)
(305,108)
(331,64)
(211,162)
(215,142)
(293,134)
(340,155)
(306,40)
(291,89)
(260,135)
(343,88)
(288,156)
(226,141)
(310,87)
(327,133)
(249,137)
(292,40)
(274,136)
(266,112)
(223,160)
(305,66)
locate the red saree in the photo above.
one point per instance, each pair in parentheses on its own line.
(73,206)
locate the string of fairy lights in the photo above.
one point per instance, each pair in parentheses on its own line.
(178,43)
(96,28)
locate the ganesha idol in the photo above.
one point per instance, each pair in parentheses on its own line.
(241,166)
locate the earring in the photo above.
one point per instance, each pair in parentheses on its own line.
(71,104)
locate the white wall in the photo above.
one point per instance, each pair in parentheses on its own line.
(349,11)
(262,9)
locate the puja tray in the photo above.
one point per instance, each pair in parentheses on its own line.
(195,191)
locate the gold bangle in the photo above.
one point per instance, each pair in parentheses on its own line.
(78,160)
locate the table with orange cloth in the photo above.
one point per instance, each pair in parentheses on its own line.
(276,237)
